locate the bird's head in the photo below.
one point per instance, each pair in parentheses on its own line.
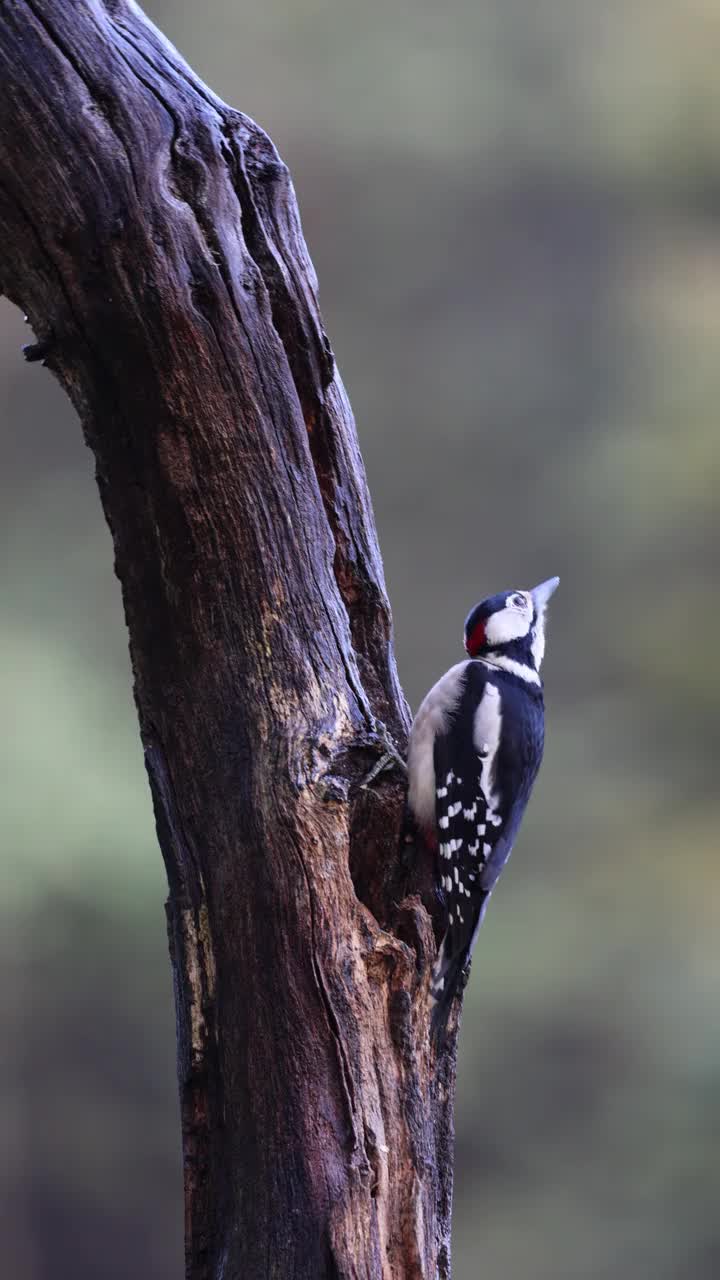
(510,625)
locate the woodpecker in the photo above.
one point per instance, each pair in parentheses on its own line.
(476,745)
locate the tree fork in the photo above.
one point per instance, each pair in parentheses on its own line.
(152,236)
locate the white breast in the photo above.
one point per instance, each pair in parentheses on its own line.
(430,720)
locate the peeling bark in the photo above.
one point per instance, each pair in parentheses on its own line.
(152,236)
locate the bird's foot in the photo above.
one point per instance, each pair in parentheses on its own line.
(389,759)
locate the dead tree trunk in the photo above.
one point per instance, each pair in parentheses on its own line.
(152,236)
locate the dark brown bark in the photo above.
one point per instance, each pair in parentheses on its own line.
(151,234)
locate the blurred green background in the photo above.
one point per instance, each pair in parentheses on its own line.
(514,209)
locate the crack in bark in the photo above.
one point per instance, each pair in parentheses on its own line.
(325,999)
(271,265)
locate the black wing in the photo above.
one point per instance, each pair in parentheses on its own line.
(467,832)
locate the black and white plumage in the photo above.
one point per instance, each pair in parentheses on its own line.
(476,745)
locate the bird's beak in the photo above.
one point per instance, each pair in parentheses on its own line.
(542,593)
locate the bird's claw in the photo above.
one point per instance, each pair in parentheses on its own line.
(390,757)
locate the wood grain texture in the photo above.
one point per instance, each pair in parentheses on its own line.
(151,234)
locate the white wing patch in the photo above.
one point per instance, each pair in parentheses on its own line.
(487,728)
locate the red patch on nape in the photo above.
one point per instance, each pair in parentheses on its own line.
(476,639)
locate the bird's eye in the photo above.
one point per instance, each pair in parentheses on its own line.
(518,600)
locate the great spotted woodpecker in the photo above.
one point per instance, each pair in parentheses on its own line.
(475,749)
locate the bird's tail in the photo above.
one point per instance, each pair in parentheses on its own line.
(449,976)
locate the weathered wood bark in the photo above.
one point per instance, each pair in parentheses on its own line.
(152,236)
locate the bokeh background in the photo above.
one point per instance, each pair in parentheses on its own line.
(514,209)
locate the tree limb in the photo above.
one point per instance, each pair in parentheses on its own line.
(151,234)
